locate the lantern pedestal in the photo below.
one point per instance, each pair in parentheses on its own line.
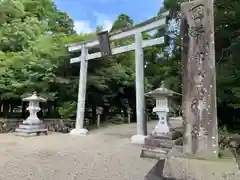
(33,119)
(79,132)
(162,126)
(158,145)
(32,125)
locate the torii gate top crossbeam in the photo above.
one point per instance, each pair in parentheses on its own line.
(151,24)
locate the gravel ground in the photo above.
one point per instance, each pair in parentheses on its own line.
(105,154)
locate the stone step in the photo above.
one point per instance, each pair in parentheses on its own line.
(167,146)
(162,137)
(153,152)
(30,130)
(24,126)
(159,143)
(173,135)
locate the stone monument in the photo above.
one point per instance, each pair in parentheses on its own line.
(163,137)
(32,124)
(199,78)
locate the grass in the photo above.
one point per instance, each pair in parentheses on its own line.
(237,156)
(224,155)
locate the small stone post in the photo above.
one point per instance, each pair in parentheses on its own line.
(129,112)
(99,111)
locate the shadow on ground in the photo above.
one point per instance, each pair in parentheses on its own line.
(119,135)
(156,172)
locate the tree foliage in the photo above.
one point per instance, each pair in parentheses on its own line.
(227,44)
(32,49)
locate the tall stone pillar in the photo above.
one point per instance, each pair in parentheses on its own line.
(199,79)
(139,138)
(79,129)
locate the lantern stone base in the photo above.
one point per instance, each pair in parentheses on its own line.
(29,129)
(138,139)
(79,132)
(162,129)
(158,145)
(32,121)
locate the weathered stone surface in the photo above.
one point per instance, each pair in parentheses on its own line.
(158,142)
(199,81)
(173,135)
(31,127)
(158,145)
(25,130)
(181,166)
(30,130)
(154,152)
(175,122)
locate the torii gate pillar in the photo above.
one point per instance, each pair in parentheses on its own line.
(139,138)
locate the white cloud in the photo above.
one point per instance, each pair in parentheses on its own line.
(107,24)
(103,20)
(83,26)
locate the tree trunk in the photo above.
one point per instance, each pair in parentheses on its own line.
(105,113)
(24,110)
(5,109)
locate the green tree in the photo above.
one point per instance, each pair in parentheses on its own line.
(99,29)
(32,50)
(227,23)
(123,21)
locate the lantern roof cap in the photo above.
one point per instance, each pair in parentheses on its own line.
(162,91)
(34,97)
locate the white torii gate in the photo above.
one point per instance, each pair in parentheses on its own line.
(136,31)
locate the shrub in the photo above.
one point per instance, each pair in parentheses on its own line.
(67,110)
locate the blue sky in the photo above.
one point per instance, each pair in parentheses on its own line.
(87,14)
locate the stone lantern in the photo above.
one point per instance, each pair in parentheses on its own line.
(163,138)
(33,124)
(161,95)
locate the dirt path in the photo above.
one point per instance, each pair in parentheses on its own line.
(105,154)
